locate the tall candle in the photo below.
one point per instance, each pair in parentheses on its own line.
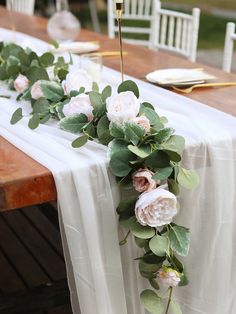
(118,8)
(119,11)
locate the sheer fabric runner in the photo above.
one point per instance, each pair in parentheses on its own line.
(104,278)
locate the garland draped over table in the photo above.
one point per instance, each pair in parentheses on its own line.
(144,156)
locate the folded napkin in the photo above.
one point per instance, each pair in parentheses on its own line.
(76,47)
(172,76)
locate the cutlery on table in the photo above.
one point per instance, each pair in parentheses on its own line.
(107,53)
(190,89)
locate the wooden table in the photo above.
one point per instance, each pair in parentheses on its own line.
(25,182)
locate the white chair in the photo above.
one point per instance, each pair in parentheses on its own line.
(229,47)
(23,6)
(176,32)
(139,10)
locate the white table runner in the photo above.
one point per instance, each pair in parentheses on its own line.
(102,276)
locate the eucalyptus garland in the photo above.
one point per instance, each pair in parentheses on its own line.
(145,157)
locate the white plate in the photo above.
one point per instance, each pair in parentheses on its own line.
(76,47)
(178,77)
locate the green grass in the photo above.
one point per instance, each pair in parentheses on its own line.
(211,33)
(224,4)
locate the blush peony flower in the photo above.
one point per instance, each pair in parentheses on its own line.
(142,180)
(169,277)
(122,107)
(76,79)
(21,83)
(36,90)
(156,208)
(79,104)
(143,122)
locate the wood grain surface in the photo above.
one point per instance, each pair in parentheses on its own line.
(23,181)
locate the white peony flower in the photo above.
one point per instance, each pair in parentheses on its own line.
(143,122)
(76,79)
(142,180)
(169,277)
(122,107)
(36,90)
(21,83)
(156,208)
(79,104)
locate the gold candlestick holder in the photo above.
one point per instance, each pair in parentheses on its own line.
(13,27)
(119,12)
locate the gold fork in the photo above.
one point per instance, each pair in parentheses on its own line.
(190,89)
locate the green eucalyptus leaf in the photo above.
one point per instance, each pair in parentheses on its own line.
(175,307)
(41,106)
(52,90)
(116,146)
(33,56)
(183,280)
(98,104)
(139,231)
(47,59)
(157,159)
(140,242)
(106,93)
(163,135)
(35,63)
(152,302)
(176,263)
(13,71)
(34,74)
(80,141)
(44,119)
(142,151)
(90,130)
(13,60)
(26,94)
(175,143)
(95,87)
(24,58)
(3,73)
(73,124)
(151,115)
(173,186)
(179,238)
(34,121)
(151,258)
(174,156)
(119,162)
(116,130)
(149,268)
(162,173)
(147,105)
(17,116)
(133,132)
(103,131)
(129,86)
(154,284)
(188,178)
(159,245)
(62,74)
(126,206)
